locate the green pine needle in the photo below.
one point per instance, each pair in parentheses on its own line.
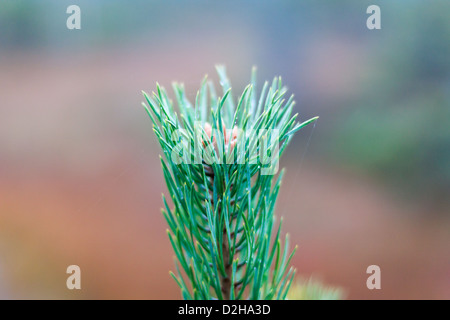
(220,161)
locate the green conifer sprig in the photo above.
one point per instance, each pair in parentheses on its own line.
(220,163)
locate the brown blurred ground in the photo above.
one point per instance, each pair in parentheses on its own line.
(80,183)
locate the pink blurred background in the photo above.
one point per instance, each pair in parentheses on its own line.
(80,179)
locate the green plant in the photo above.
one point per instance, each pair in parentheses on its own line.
(220,164)
(313,289)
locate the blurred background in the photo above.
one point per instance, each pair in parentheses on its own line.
(80,179)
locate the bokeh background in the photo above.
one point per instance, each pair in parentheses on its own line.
(80,180)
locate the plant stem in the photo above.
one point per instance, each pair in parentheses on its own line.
(226,281)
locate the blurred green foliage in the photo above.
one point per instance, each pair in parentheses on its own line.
(313,289)
(399,125)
